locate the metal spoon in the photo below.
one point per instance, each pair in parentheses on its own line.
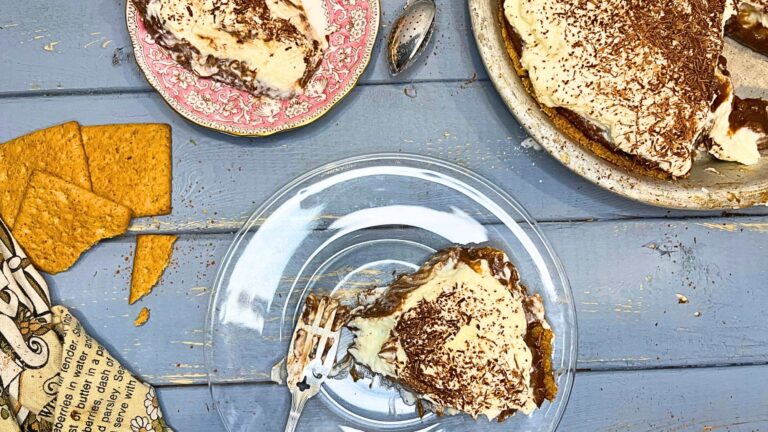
(410,34)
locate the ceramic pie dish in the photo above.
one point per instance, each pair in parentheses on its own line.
(352,28)
(712,184)
(346,227)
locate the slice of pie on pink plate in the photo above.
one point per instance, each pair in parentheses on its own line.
(252,67)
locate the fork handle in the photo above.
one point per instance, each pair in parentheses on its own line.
(298,400)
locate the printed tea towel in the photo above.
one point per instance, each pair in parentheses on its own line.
(53,376)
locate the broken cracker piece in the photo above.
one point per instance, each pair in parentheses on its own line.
(153,253)
(58,221)
(57,150)
(131,164)
(142,318)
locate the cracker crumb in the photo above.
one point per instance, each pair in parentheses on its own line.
(529,143)
(142,318)
(153,253)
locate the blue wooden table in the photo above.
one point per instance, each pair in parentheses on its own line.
(645,362)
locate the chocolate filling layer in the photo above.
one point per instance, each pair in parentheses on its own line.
(744,29)
(751,114)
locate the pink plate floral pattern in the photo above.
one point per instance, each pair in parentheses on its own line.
(352,29)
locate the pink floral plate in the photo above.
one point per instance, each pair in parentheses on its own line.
(352,26)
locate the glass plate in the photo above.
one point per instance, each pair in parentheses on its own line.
(353,225)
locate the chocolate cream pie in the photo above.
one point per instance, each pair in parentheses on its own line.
(266,47)
(641,83)
(462,334)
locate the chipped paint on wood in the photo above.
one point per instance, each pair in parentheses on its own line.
(190,343)
(50,46)
(760,227)
(180,379)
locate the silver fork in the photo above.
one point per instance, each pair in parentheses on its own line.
(312,352)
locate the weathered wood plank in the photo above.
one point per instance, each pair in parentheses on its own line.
(625,276)
(59,45)
(219,180)
(708,399)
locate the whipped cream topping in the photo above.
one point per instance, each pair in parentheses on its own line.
(456,340)
(626,67)
(264,46)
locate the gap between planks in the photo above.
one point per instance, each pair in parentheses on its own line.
(735,222)
(201,378)
(49,93)
(192,383)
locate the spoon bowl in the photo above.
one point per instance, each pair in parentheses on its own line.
(410,34)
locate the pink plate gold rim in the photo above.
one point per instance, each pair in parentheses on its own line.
(353,27)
